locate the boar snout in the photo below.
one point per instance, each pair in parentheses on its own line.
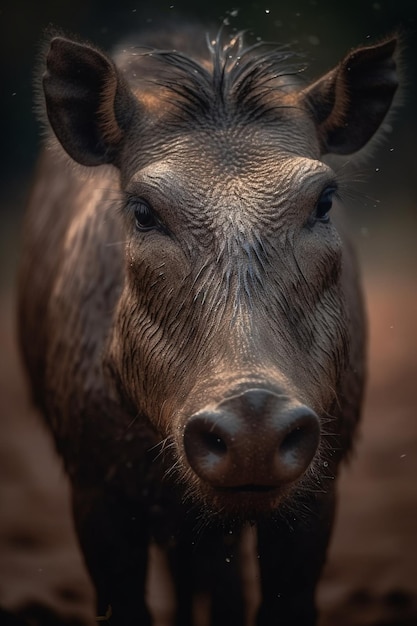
(252,441)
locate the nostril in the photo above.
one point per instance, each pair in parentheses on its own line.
(305,431)
(292,441)
(207,439)
(213,443)
(298,445)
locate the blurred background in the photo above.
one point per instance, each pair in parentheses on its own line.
(371,576)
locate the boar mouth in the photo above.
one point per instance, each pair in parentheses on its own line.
(248,501)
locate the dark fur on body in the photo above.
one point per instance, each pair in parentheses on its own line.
(125,335)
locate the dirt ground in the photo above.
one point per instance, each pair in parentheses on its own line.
(371,576)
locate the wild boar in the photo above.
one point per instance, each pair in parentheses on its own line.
(191,316)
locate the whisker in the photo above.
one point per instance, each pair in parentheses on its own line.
(132,422)
(172,469)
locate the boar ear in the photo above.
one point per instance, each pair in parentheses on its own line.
(88,104)
(350,102)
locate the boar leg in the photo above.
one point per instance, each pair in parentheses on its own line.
(292,554)
(207,573)
(115,543)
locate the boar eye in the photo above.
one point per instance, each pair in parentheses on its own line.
(324,205)
(145,218)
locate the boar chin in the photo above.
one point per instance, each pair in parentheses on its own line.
(253,502)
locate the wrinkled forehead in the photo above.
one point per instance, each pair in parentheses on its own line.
(227,138)
(232,164)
